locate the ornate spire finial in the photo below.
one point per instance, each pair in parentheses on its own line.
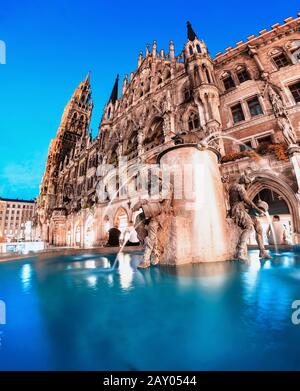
(191,33)
(114,94)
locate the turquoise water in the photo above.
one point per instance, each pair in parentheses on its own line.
(67,313)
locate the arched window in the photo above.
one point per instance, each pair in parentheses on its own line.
(208,78)
(191,50)
(108,113)
(198,48)
(193,122)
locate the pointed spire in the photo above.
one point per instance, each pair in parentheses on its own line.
(114,94)
(140,60)
(191,33)
(88,76)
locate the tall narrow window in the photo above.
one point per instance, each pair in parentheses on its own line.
(187,94)
(191,50)
(228,82)
(254,107)
(281,60)
(198,48)
(295,90)
(237,113)
(193,122)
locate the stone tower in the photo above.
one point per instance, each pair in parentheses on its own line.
(73,127)
(200,68)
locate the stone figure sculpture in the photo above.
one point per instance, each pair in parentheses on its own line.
(244,213)
(282,116)
(287,131)
(152,224)
(276,101)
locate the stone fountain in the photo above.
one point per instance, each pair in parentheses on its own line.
(189,223)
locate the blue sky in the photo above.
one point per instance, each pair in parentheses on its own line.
(52,44)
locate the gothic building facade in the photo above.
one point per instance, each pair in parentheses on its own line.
(245,101)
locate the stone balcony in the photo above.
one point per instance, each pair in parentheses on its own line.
(265,163)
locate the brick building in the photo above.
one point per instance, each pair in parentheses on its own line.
(14,214)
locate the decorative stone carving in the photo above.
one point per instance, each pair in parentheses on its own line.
(282,116)
(155,221)
(277,103)
(244,213)
(287,131)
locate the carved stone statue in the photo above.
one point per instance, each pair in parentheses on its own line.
(287,131)
(152,224)
(245,214)
(277,104)
(282,117)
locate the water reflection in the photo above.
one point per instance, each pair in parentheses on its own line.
(92,281)
(125,270)
(210,276)
(26,275)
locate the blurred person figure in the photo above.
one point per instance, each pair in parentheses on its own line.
(277,232)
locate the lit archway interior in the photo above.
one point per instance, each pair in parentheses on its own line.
(277,206)
(121,220)
(77,236)
(89,236)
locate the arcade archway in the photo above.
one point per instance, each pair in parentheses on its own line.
(281,197)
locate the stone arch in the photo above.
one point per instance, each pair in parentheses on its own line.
(106,223)
(266,181)
(155,133)
(121,220)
